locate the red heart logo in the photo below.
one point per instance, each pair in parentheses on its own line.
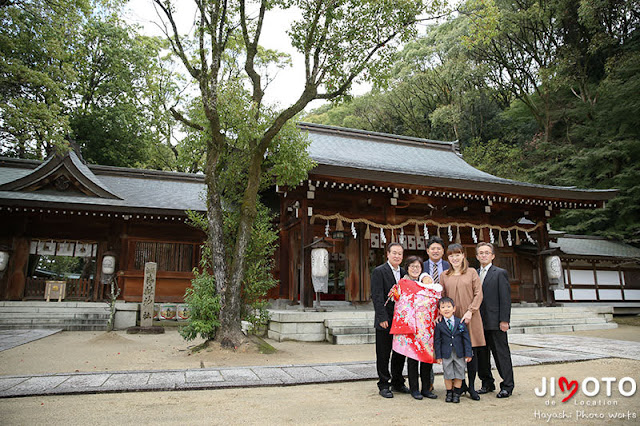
(571,386)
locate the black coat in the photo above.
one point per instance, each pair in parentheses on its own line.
(382,280)
(496,302)
(444,340)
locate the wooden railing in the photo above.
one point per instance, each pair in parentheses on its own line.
(77,289)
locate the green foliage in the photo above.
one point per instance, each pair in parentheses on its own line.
(61,266)
(35,69)
(75,71)
(258,279)
(545,92)
(204,305)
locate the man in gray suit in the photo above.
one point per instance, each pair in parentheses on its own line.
(496,313)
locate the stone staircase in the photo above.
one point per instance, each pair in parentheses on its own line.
(350,332)
(561,319)
(71,316)
(345,327)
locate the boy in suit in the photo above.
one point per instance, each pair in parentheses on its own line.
(383,278)
(452,346)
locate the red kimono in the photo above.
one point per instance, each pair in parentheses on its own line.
(414,317)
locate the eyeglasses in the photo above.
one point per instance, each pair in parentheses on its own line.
(414,266)
(484,253)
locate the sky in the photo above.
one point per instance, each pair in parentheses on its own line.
(289,82)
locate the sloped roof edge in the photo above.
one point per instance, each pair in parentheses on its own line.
(53,166)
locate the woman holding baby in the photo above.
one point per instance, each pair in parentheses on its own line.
(416,306)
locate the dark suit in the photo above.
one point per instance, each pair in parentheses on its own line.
(495,308)
(445,340)
(427,266)
(382,279)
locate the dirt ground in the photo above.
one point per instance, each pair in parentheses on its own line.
(82,351)
(338,403)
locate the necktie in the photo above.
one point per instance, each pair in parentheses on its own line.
(434,273)
(483,272)
(450,325)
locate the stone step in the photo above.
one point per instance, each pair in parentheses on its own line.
(558,315)
(70,315)
(334,331)
(52,304)
(562,328)
(524,322)
(46,321)
(353,339)
(348,323)
(64,315)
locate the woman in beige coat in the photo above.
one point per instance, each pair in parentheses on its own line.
(463,285)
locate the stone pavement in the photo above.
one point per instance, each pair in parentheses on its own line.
(545,349)
(12,338)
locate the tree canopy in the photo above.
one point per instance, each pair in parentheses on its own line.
(75,71)
(545,92)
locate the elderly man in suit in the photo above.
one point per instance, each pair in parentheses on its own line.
(496,313)
(383,278)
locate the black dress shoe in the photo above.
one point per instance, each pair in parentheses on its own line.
(503,394)
(386,393)
(455,398)
(429,394)
(402,389)
(464,388)
(484,389)
(416,395)
(474,395)
(449,397)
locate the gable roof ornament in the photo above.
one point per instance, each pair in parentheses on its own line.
(62,172)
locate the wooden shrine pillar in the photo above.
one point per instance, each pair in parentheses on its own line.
(306,287)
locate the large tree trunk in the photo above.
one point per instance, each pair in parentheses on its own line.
(230,332)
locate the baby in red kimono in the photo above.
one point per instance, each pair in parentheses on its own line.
(416,308)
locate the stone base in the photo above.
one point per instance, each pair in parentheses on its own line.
(145,330)
(126,315)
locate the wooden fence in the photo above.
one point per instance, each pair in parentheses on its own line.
(77,289)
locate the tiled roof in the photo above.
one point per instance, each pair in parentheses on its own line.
(417,161)
(139,190)
(581,245)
